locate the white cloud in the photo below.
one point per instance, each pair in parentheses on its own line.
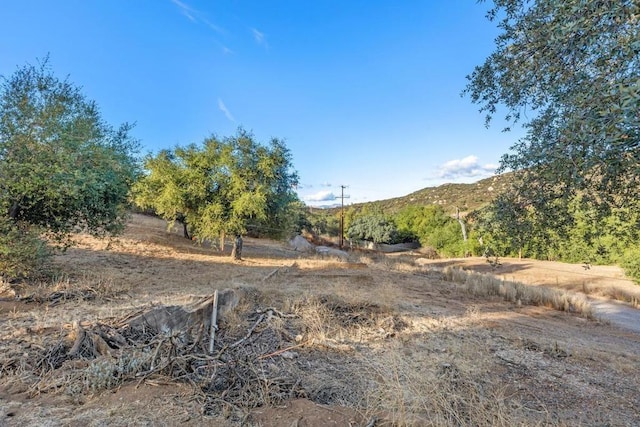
(214,27)
(260,38)
(186,10)
(321,196)
(197,17)
(467,167)
(225,110)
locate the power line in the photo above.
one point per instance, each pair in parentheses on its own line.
(342,197)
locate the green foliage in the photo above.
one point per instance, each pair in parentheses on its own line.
(595,239)
(581,233)
(61,165)
(434,228)
(22,252)
(283,223)
(570,69)
(222,187)
(322,222)
(166,187)
(507,226)
(630,262)
(374,228)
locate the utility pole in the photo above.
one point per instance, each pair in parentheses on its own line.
(342,196)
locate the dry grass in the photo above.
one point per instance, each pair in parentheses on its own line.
(632,298)
(374,333)
(483,285)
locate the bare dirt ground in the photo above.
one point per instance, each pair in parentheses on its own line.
(375,340)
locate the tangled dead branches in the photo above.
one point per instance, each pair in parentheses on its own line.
(266,364)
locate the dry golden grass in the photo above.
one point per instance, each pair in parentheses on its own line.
(375,333)
(479,284)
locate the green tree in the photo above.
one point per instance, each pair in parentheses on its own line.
(223,187)
(322,222)
(596,240)
(569,72)
(61,165)
(434,228)
(285,213)
(506,225)
(166,188)
(375,228)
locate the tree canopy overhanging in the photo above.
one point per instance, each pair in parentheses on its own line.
(569,71)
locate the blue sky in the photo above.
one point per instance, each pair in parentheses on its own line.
(365,93)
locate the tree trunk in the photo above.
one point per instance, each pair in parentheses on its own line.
(236,253)
(462,225)
(183,219)
(222,237)
(13,211)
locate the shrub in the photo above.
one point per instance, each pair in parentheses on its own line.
(22,252)
(373,228)
(630,262)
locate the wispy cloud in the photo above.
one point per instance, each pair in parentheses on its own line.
(467,167)
(225,110)
(260,38)
(214,27)
(196,16)
(320,196)
(185,10)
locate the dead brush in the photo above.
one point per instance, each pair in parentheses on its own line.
(406,392)
(250,366)
(629,297)
(316,319)
(479,284)
(335,323)
(66,288)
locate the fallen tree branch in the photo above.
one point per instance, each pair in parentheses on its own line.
(277,352)
(251,329)
(270,275)
(276,312)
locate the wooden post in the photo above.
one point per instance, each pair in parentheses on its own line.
(214,321)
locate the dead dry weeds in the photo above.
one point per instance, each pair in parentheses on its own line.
(372,341)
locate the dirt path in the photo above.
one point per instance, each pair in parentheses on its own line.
(617,313)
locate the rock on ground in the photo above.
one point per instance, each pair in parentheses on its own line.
(301,244)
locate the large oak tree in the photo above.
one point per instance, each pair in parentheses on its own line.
(569,71)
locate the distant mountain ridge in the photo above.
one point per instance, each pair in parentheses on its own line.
(466,197)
